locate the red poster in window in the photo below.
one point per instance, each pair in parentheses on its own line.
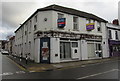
(45,53)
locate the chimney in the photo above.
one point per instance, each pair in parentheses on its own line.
(116,22)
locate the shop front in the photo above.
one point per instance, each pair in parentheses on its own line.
(69,50)
(114,48)
(94,50)
(56,47)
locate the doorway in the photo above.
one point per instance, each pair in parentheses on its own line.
(65,50)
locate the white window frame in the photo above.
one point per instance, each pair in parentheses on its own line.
(36,18)
(87,21)
(30,26)
(60,15)
(99,26)
(75,24)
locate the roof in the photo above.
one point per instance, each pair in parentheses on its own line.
(68,11)
(72,11)
(113,26)
(12,38)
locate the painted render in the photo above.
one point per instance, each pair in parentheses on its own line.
(30,43)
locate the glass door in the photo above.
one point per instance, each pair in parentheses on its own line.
(65,50)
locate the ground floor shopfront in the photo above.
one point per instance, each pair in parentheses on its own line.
(114,48)
(56,50)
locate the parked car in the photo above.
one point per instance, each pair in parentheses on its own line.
(4,52)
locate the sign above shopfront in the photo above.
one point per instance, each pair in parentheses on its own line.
(90,26)
(61,22)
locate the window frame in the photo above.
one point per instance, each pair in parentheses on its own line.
(110,34)
(35,27)
(99,26)
(75,23)
(116,35)
(60,15)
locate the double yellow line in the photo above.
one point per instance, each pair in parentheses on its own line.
(22,68)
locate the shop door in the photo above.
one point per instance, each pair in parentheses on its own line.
(91,50)
(65,50)
(45,50)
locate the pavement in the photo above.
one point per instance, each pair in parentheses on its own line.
(37,67)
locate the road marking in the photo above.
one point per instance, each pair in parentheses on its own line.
(98,74)
(17,64)
(10,73)
(20,72)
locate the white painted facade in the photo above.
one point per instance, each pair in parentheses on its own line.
(113,28)
(119,11)
(114,39)
(27,42)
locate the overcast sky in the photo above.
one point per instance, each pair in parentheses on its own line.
(15,12)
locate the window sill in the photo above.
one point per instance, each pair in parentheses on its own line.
(75,30)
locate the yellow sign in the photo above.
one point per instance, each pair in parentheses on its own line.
(90,26)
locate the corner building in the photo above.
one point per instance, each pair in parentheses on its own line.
(55,34)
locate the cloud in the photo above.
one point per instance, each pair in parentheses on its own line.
(15,12)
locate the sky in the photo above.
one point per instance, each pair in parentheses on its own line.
(15,12)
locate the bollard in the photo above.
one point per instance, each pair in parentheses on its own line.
(20,57)
(26,59)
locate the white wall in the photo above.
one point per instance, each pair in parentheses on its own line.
(84,53)
(69,24)
(116,28)
(119,11)
(51,24)
(54,49)
(105,47)
(44,25)
(119,34)
(37,50)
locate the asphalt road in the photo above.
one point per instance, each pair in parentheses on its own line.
(106,70)
(9,67)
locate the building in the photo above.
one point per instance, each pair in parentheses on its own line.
(7,46)
(2,44)
(119,11)
(55,34)
(114,39)
(11,45)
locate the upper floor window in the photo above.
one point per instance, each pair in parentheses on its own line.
(60,15)
(22,31)
(99,26)
(75,23)
(92,21)
(87,21)
(109,33)
(116,34)
(25,32)
(30,26)
(35,27)
(35,18)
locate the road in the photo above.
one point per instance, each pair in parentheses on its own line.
(106,70)
(9,67)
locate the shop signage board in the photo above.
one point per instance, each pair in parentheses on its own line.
(61,22)
(90,26)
